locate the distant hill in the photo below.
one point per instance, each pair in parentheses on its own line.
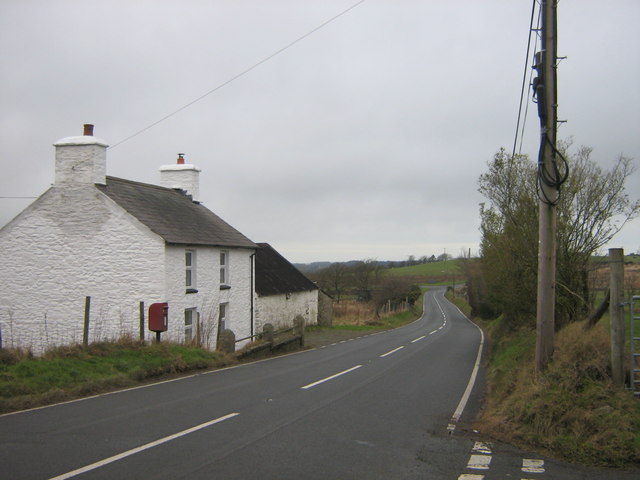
(316,266)
(311,267)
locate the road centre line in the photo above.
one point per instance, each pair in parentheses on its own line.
(390,352)
(326,379)
(418,339)
(141,448)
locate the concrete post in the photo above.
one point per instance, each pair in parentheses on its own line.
(298,328)
(227,341)
(267,332)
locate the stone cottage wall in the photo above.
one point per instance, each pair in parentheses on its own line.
(280,310)
(206,301)
(71,243)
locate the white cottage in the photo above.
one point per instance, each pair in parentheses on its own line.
(121,243)
(282,291)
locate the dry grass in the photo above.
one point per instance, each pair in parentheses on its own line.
(352,312)
(573,411)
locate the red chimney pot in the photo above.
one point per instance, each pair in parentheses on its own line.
(88,130)
(181,159)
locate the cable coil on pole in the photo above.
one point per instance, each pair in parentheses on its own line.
(554,173)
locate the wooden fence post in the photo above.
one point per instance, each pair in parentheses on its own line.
(142,321)
(616,314)
(85,332)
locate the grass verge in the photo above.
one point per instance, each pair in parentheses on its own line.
(66,373)
(572,411)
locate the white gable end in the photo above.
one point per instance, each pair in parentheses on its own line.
(73,243)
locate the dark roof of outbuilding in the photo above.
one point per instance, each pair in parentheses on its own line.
(173,215)
(275,275)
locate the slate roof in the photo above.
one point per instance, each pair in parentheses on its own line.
(173,215)
(275,275)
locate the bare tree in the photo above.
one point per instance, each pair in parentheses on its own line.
(593,207)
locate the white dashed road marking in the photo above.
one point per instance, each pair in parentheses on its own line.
(306,387)
(532,466)
(390,352)
(482,447)
(479,462)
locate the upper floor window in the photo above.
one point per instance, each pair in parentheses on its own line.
(190,269)
(224,267)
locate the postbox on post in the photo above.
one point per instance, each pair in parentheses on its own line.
(159,318)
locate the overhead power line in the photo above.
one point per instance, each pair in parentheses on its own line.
(524,79)
(241,74)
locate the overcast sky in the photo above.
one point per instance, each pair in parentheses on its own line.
(363,140)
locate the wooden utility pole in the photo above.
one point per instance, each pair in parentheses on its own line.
(548,191)
(616,314)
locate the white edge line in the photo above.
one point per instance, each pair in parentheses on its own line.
(472,380)
(330,378)
(146,446)
(392,351)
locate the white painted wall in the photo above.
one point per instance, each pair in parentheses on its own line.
(74,242)
(209,296)
(71,243)
(280,310)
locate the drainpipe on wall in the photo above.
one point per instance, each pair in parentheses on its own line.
(252,259)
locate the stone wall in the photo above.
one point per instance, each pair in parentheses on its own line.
(280,310)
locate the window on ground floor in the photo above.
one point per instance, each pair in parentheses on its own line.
(190,321)
(222,315)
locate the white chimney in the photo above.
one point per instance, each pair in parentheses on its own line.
(184,176)
(81,160)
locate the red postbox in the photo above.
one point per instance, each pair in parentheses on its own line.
(159,317)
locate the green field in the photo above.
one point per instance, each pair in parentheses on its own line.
(434,273)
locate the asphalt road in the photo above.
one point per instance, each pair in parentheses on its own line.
(378,407)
